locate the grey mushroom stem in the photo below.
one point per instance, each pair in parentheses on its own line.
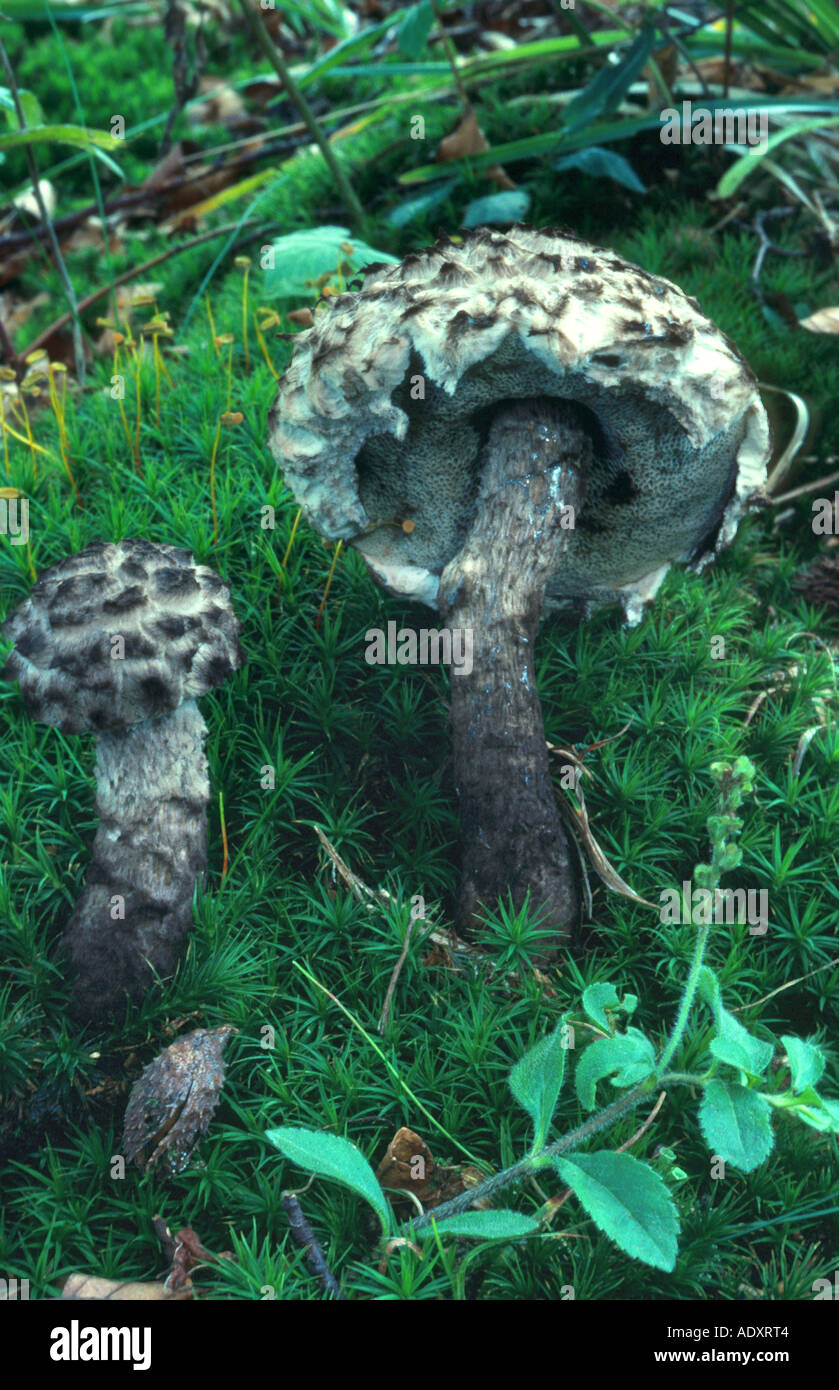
(532,486)
(150,848)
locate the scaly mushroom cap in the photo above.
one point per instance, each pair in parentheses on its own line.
(383,412)
(180,636)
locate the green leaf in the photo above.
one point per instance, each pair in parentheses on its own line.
(332,1157)
(748,163)
(809,1106)
(597,998)
(628,1200)
(806,1062)
(32,113)
(602,164)
(304,256)
(611,84)
(534,146)
(413,208)
(497,208)
(630,1055)
(738,1047)
(736,1124)
(483,1225)
(62,134)
(415,28)
(536,1080)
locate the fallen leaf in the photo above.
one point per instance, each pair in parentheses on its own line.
(89,1286)
(578,816)
(28,203)
(822,321)
(408,1166)
(468,138)
(222,105)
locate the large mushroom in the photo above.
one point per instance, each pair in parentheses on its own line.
(120,639)
(557,426)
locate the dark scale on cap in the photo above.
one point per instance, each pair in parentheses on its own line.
(168,580)
(129,598)
(180,636)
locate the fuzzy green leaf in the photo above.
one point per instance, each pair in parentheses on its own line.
(629,1055)
(628,1200)
(736,1124)
(298,259)
(737,1047)
(536,1080)
(597,998)
(483,1225)
(806,1062)
(497,209)
(414,208)
(331,1156)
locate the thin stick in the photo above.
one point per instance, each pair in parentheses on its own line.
(213,482)
(328,584)
(303,1235)
(394,979)
(288,552)
(78,346)
(789,985)
(278,63)
(226,860)
(452,58)
(805,488)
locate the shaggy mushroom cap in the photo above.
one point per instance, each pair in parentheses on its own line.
(179,631)
(382,415)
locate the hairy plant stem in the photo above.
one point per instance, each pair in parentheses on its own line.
(529,1165)
(688,996)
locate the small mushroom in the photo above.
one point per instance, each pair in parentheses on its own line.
(559,426)
(121,639)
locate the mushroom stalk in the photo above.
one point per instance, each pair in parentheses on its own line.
(150,849)
(531,486)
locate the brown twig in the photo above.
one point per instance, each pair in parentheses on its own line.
(394,979)
(184,82)
(78,345)
(303,1235)
(805,488)
(451,55)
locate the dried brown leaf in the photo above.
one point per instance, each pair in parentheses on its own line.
(468,138)
(822,321)
(84,1286)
